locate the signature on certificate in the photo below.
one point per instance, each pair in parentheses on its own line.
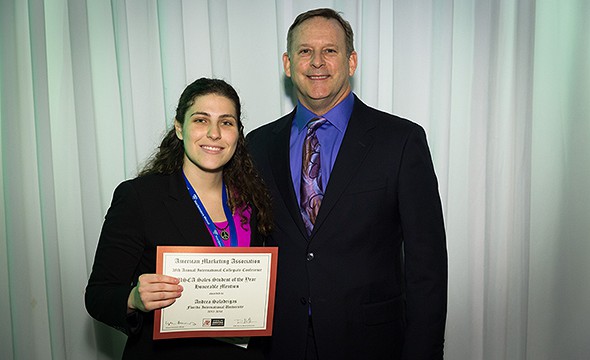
(180,324)
(244,321)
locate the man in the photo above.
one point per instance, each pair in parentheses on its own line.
(365,276)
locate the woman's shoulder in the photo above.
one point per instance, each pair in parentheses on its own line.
(151,183)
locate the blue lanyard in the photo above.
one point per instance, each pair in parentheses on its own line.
(230,219)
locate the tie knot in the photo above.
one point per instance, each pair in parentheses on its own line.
(315,124)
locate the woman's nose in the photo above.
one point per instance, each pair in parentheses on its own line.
(213,132)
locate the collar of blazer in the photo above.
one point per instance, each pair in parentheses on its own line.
(356,143)
(186,217)
(184,214)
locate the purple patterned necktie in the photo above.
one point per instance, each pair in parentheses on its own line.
(311,180)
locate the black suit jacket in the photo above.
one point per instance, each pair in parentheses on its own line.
(375,266)
(146,212)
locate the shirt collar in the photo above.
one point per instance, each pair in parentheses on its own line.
(338,116)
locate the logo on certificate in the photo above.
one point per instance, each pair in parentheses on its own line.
(213,322)
(217,322)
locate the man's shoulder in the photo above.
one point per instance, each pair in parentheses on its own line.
(262,129)
(382,118)
(271,127)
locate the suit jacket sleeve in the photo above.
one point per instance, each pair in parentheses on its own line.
(117,256)
(425,255)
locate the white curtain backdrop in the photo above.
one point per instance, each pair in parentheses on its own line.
(502,87)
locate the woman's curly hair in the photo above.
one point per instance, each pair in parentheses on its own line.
(246,187)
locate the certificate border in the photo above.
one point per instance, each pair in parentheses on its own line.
(161,250)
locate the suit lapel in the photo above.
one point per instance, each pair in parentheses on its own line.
(184,214)
(280,164)
(354,148)
(356,143)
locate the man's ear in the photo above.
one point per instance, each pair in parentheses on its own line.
(352,63)
(287,64)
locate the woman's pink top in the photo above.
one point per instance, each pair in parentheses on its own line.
(243,230)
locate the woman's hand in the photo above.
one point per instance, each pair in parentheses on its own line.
(153,291)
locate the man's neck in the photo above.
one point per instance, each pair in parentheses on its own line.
(321,106)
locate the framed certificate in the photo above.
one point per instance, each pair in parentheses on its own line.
(227,291)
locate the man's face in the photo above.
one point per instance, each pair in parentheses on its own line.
(318,64)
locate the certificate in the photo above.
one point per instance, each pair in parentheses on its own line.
(227,291)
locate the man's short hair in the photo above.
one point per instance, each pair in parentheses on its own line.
(328,14)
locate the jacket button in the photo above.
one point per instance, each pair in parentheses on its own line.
(309,256)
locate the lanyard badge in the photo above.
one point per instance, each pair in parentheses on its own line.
(233,236)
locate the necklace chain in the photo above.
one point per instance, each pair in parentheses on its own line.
(223,228)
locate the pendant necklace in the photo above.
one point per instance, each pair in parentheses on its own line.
(217,236)
(223,231)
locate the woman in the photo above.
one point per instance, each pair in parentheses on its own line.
(204,155)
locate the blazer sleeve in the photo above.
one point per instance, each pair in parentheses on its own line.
(118,254)
(425,254)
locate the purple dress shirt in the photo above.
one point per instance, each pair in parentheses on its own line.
(329,135)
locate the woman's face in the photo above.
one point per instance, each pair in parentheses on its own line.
(209,133)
